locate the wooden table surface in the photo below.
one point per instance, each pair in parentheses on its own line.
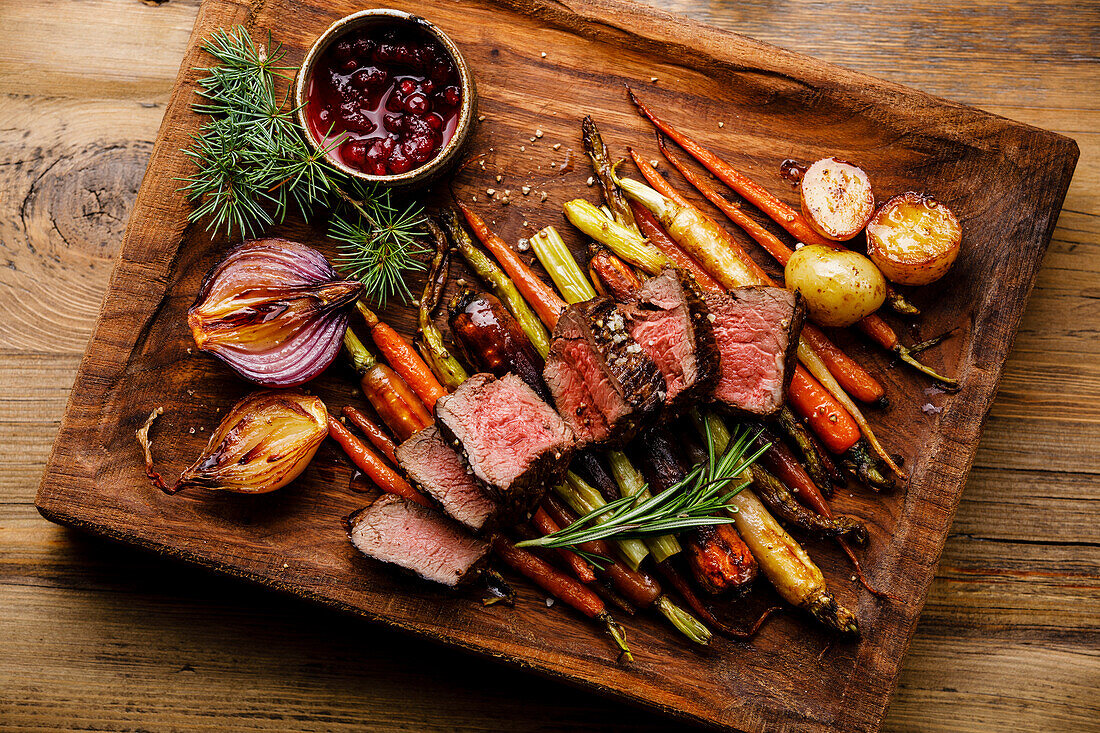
(94,635)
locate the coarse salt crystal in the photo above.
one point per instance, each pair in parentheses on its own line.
(538,133)
(549,601)
(557,146)
(929,409)
(591,180)
(526,190)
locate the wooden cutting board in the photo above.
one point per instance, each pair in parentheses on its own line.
(1005,181)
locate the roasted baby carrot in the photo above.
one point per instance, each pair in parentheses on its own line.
(539,295)
(372,464)
(377,436)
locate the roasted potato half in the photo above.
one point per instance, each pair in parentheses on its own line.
(913,239)
(840,286)
(837,198)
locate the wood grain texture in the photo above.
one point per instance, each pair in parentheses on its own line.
(994,569)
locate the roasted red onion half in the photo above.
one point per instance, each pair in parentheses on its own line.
(273,310)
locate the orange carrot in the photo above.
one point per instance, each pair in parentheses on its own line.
(855,380)
(827,418)
(372,464)
(781,213)
(403,358)
(377,436)
(540,295)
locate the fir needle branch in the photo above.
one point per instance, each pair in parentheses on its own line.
(253,167)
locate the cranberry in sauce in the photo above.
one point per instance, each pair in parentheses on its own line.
(390,93)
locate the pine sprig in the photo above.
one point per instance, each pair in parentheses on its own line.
(253,167)
(698,500)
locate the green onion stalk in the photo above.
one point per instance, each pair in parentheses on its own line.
(430,344)
(624,242)
(588,502)
(558,261)
(632,483)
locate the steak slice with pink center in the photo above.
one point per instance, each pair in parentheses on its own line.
(515,444)
(756,330)
(441,473)
(668,319)
(417,539)
(604,384)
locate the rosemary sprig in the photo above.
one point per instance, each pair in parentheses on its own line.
(253,166)
(699,499)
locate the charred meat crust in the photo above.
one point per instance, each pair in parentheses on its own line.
(692,374)
(634,391)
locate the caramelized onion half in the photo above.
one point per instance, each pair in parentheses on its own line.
(273,310)
(261,445)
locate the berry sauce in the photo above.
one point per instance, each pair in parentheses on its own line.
(390,93)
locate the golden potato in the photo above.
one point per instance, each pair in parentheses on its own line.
(837,198)
(913,239)
(840,286)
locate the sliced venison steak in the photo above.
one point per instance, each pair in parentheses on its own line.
(515,443)
(442,474)
(756,330)
(604,384)
(417,539)
(668,319)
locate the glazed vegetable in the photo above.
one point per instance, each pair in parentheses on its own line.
(781,462)
(493,341)
(274,311)
(913,239)
(371,464)
(403,358)
(563,587)
(400,409)
(624,242)
(377,436)
(795,577)
(720,560)
(855,380)
(873,325)
(484,267)
(660,239)
(782,504)
(699,235)
(605,174)
(557,260)
(262,444)
(837,430)
(818,463)
(841,287)
(451,373)
(837,199)
(538,294)
(610,274)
